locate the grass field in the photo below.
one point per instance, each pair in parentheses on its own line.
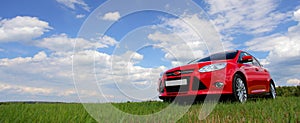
(282,109)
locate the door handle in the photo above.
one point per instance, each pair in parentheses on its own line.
(256,69)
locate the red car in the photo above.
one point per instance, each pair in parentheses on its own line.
(234,73)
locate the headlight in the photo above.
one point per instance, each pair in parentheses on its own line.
(213,67)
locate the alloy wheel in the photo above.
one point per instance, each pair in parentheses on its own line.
(272,91)
(241,91)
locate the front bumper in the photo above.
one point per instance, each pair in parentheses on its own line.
(197,84)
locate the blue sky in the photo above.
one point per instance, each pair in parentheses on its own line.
(120,48)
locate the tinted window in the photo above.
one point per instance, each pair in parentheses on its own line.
(217,56)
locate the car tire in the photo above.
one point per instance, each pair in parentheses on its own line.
(239,89)
(272,93)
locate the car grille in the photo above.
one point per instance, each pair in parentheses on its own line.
(179,88)
(179,72)
(196,85)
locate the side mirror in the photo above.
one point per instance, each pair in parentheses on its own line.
(247,59)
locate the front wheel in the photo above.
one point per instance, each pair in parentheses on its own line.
(272,93)
(239,89)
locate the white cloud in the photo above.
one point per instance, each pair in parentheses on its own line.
(246,17)
(177,50)
(25,89)
(283,52)
(62,42)
(26,93)
(50,75)
(72,4)
(263,62)
(297,15)
(136,56)
(42,76)
(18,60)
(293,81)
(80,16)
(106,40)
(279,46)
(111,16)
(117,75)
(133,82)
(186,39)
(22,28)
(40,56)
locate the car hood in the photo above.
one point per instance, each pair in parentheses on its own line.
(194,66)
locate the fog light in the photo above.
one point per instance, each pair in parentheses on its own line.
(219,84)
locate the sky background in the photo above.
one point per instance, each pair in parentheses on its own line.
(121,48)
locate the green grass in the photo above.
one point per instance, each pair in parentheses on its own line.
(282,109)
(45,113)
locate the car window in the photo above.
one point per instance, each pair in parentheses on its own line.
(242,54)
(217,56)
(254,61)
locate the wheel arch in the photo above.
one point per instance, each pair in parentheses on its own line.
(244,79)
(241,74)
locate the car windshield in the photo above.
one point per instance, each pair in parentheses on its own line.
(217,56)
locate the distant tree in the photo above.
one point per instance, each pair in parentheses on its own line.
(288,91)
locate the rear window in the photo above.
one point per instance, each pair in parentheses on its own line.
(217,56)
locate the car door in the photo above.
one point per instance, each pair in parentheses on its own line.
(261,77)
(252,73)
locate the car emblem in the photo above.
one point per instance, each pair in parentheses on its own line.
(177,73)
